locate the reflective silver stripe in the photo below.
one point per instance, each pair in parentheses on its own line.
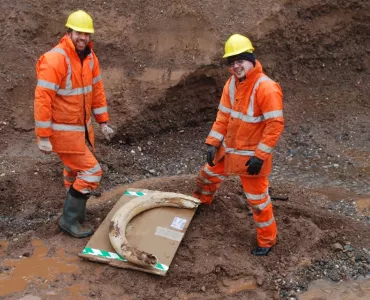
(91,61)
(263,205)
(224,109)
(203,179)
(251,99)
(273,114)
(68,169)
(65,127)
(69,179)
(249,118)
(85,191)
(208,193)
(265,224)
(89,178)
(216,135)
(246,118)
(43,124)
(69,73)
(206,170)
(256,197)
(68,91)
(100,110)
(47,84)
(91,171)
(232,90)
(240,115)
(239,152)
(73,92)
(263,147)
(96,79)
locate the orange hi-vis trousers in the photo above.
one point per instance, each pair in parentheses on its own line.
(256,191)
(81,170)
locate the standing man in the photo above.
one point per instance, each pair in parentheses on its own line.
(69,89)
(248,125)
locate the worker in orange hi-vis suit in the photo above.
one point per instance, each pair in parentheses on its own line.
(248,125)
(69,89)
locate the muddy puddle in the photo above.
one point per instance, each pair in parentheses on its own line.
(45,273)
(36,269)
(324,290)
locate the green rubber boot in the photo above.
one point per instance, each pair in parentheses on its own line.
(74,210)
(81,215)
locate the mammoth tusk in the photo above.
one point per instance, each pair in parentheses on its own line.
(118,224)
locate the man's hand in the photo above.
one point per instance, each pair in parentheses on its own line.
(107,131)
(255,165)
(211,151)
(45,145)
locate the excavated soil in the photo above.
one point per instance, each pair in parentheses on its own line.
(163,75)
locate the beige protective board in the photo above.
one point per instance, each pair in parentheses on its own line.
(158,231)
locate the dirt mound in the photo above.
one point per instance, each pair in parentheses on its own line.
(163,76)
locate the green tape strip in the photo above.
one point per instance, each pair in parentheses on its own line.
(113,255)
(138,194)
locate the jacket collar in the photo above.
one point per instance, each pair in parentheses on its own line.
(252,74)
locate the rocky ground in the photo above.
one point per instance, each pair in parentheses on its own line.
(163,76)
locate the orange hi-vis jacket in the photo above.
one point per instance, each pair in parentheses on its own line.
(66,92)
(249,122)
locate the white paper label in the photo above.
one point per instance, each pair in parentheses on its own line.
(178,223)
(169,234)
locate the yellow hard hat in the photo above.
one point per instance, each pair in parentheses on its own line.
(80,21)
(237,44)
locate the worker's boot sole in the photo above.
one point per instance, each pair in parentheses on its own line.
(85,233)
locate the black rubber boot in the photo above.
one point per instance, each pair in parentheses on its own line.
(260,251)
(74,210)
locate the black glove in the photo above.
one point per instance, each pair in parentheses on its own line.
(255,165)
(211,151)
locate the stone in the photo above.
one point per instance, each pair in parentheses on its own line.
(337,247)
(358,257)
(332,234)
(259,281)
(348,248)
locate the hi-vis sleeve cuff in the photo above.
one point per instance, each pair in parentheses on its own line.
(100,110)
(263,151)
(43,124)
(214,138)
(216,135)
(101,114)
(265,148)
(43,128)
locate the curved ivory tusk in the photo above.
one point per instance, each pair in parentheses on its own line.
(118,224)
